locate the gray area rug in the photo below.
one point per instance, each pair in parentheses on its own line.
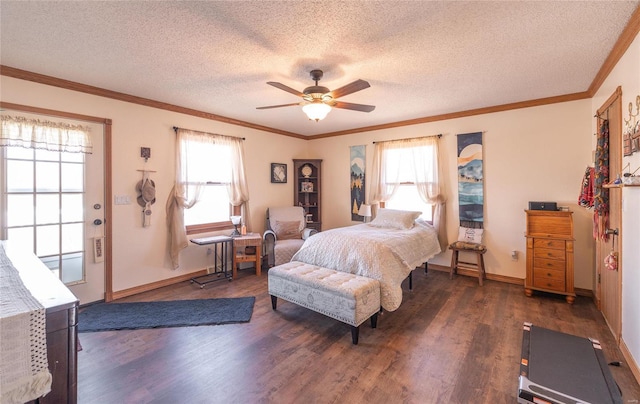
(175,313)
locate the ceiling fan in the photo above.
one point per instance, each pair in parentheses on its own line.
(318,100)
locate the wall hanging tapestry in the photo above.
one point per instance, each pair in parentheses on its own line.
(470,180)
(357,163)
(601,178)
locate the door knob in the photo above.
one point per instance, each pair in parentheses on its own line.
(97,222)
(611,231)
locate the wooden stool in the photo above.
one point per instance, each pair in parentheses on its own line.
(240,243)
(478,249)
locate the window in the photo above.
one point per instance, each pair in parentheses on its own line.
(404,165)
(407,198)
(212,207)
(208,170)
(44,196)
(206,175)
(205,164)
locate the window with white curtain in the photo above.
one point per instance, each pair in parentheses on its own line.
(207,166)
(400,169)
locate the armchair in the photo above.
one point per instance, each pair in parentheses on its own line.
(285,234)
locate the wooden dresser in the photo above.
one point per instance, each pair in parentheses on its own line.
(61,317)
(550,253)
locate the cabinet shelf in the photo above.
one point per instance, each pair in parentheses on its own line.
(310,201)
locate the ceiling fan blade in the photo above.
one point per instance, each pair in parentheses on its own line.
(279,106)
(349,88)
(285,88)
(352,106)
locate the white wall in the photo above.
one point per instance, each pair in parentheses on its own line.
(532,154)
(529,154)
(627,75)
(140,254)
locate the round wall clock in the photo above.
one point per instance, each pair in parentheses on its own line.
(306,171)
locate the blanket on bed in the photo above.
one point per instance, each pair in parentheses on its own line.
(385,254)
(24,371)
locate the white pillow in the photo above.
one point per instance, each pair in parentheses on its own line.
(395,219)
(470,235)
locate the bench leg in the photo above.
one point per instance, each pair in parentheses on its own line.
(481,271)
(411,280)
(426,267)
(374,320)
(454,263)
(274,302)
(354,334)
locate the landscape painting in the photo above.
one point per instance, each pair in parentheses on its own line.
(470,177)
(357,181)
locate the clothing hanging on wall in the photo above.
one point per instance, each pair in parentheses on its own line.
(585,199)
(601,178)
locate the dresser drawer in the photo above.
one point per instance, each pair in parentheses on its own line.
(551,264)
(548,253)
(553,244)
(549,282)
(540,272)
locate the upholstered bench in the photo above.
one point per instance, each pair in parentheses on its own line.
(345,297)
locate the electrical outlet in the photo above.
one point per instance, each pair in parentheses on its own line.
(514,255)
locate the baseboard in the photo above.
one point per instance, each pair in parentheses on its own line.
(633,365)
(502,278)
(155,285)
(474,274)
(585,293)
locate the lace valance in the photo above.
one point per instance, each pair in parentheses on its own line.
(42,134)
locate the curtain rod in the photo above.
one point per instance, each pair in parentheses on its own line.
(439,135)
(175,129)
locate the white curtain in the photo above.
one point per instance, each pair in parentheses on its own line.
(41,134)
(411,160)
(203,158)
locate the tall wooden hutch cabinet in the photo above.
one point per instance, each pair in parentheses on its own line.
(307,190)
(550,253)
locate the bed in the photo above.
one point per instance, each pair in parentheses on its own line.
(387,249)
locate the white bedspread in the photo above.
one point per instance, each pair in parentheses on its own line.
(388,255)
(24,372)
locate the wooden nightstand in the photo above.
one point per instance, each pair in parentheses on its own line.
(239,253)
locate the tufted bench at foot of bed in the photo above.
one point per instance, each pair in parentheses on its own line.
(345,297)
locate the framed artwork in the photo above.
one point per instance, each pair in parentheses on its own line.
(278,173)
(306,187)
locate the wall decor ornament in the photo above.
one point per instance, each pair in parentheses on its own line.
(631,131)
(470,178)
(278,173)
(357,168)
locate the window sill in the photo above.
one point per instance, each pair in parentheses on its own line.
(208,227)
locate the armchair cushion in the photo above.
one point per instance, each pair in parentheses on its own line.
(287,230)
(285,234)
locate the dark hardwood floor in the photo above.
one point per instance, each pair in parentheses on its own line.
(451,341)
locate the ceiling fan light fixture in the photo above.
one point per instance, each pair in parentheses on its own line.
(316,110)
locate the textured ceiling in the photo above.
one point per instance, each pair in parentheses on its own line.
(422,58)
